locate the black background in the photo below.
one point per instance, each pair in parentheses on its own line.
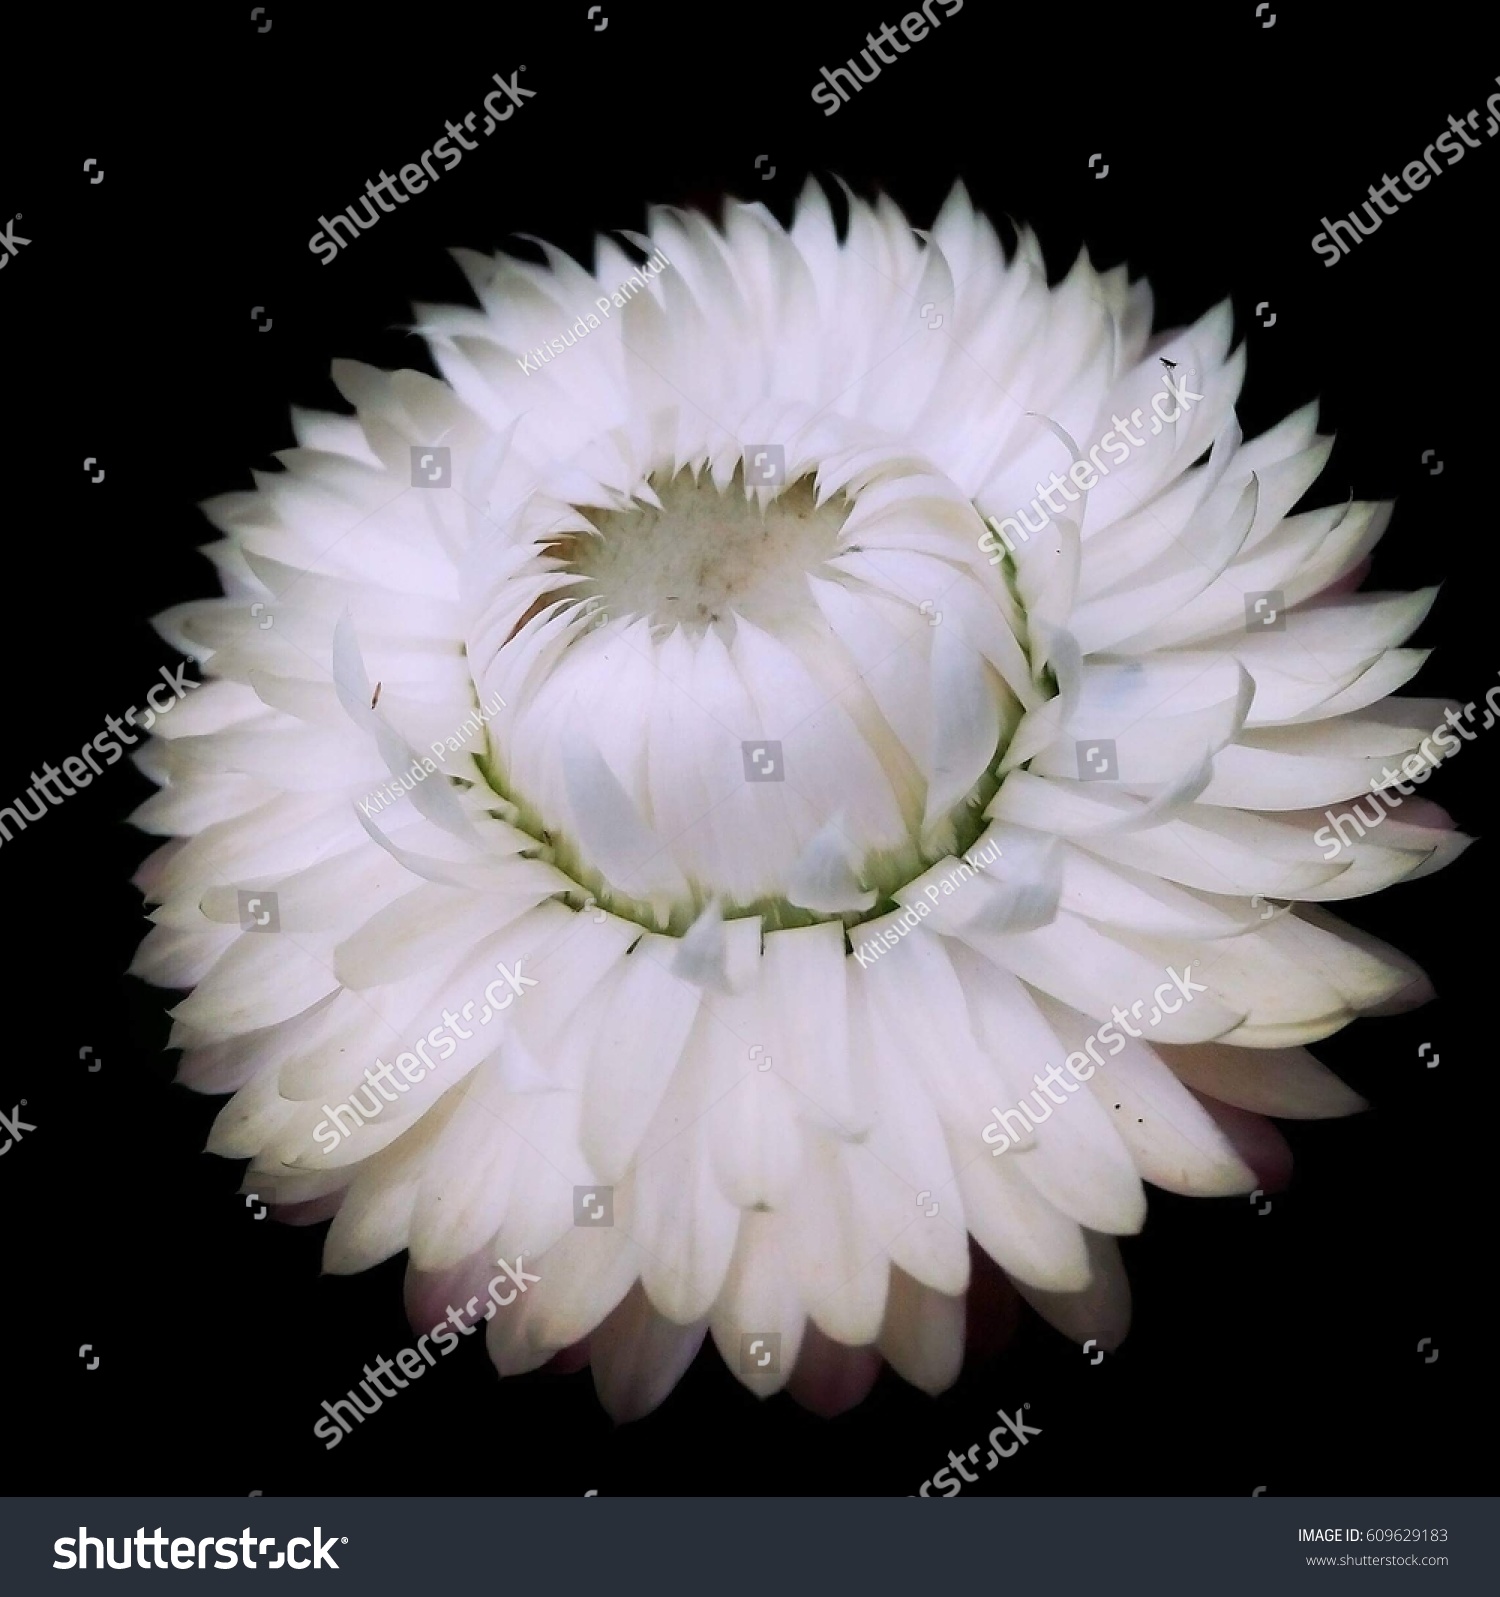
(1276,1350)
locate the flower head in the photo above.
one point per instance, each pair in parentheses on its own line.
(794,755)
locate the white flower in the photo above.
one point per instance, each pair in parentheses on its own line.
(695,763)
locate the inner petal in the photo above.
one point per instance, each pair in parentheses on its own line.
(710,692)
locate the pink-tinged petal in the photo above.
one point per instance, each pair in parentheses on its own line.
(1101,1311)
(1348,583)
(1256,1140)
(830,1378)
(310,1211)
(1372,810)
(1423,812)
(638,1356)
(570,1360)
(430,1294)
